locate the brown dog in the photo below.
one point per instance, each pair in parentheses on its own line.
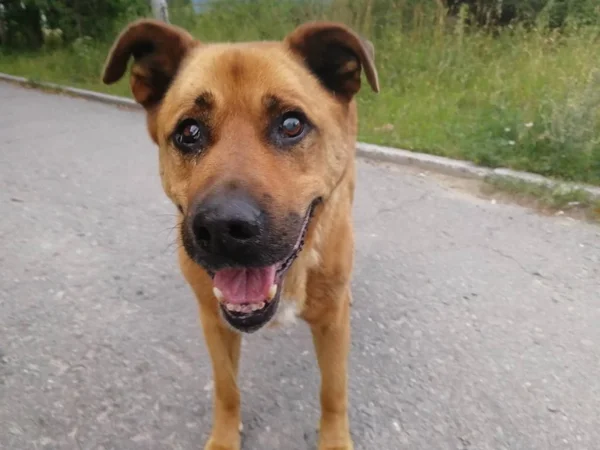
(257,147)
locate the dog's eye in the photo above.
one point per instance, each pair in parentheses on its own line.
(189,135)
(289,129)
(292,126)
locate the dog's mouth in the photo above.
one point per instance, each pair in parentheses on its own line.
(248,296)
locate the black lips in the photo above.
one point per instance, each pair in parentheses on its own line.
(254,321)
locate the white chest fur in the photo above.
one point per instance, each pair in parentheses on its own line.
(287,313)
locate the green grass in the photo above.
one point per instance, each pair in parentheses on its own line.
(555,199)
(524,99)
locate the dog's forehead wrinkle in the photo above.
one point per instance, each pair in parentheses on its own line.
(259,64)
(205,100)
(272,103)
(285,102)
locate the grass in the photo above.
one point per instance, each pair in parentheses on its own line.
(524,99)
(557,199)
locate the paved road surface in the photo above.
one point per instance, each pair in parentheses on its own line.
(476,325)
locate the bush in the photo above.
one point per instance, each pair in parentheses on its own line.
(549,13)
(21,25)
(25,21)
(97,19)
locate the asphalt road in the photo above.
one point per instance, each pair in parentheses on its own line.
(475,325)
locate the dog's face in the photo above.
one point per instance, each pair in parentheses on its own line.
(252,137)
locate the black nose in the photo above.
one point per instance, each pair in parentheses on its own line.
(228,225)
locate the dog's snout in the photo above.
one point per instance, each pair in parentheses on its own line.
(225,224)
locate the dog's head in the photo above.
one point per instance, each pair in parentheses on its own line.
(252,137)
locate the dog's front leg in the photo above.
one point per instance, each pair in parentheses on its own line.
(224,348)
(332,341)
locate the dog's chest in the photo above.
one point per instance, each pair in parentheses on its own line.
(287,313)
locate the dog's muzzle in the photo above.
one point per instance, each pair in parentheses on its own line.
(245,252)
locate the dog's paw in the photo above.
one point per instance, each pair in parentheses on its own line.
(212,445)
(337,445)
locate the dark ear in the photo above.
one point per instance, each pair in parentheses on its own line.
(335,54)
(157,49)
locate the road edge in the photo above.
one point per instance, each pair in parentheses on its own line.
(422,161)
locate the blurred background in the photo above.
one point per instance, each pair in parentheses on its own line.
(513,83)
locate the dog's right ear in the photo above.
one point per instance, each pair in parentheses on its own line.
(157,49)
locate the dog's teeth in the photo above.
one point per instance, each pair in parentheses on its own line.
(258,306)
(230,307)
(218,293)
(272,291)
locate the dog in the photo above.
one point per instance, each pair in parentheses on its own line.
(256,148)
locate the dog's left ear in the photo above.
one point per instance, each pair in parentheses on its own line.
(335,54)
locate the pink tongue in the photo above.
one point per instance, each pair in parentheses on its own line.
(245,285)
